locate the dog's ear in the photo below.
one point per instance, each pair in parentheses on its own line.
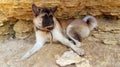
(54,9)
(35,10)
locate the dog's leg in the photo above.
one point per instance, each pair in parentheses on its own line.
(40,41)
(57,34)
(74,36)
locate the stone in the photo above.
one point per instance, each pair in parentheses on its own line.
(69,57)
(83,63)
(3,63)
(119,42)
(109,42)
(22,29)
(3,38)
(111,28)
(3,19)
(93,39)
(4,30)
(22,35)
(1,23)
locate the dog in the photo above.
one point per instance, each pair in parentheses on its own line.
(46,24)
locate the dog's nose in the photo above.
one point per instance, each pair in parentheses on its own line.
(50,15)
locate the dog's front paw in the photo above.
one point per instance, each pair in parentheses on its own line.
(80,51)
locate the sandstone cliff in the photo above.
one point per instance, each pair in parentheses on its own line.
(13,11)
(21,9)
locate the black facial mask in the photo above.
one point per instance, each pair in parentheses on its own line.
(47,21)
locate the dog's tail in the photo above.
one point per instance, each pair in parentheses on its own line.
(91,21)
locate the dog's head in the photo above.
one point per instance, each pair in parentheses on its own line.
(43,16)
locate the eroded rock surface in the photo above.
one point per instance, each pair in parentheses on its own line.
(69,57)
(83,63)
(22,29)
(21,9)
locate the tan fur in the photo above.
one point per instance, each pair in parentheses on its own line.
(38,21)
(81,27)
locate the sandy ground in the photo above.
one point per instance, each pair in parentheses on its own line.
(99,54)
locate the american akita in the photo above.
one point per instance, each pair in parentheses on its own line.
(46,24)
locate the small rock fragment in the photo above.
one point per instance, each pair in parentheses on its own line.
(109,42)
(22,29)
(69,57)
(83,63)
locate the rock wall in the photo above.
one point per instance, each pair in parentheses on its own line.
(13,13)
(21,9)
